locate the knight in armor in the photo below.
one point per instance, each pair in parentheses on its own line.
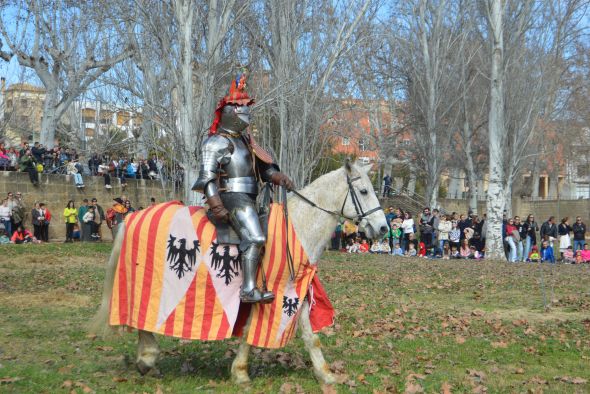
(232,165)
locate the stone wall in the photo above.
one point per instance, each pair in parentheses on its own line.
(56,190)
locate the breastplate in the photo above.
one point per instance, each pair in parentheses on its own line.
(238,174)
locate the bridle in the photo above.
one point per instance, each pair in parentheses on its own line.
(360,215)
(356,202)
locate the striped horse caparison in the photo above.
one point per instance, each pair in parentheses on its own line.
(314,228)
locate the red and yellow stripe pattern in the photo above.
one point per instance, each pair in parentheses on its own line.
(207,309)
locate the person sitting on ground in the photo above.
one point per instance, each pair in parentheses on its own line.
(353,246)
(375,248)
(411,250)
(465,250)
(586,253)
(385,249)
(578,259)
(475,254)
(547,251)
(534,256)
(454,253)
(568,255)
(23,236)
(3,237)
(421,249)
(364,246)
(398,251)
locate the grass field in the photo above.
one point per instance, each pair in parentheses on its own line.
(403,325)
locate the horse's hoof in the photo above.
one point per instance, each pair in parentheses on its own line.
(143,367)
(241,378)
(328,379)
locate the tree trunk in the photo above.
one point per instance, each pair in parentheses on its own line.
(50,118)
(431,197)
(184,12)
(535,175)
(412,183)
(496,194)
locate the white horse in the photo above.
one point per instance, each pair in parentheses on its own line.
(345,192)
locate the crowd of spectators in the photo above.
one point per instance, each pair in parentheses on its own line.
(83,224)
(459,236)
(62,160)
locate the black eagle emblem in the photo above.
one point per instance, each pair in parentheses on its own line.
(290,305)
(228,266)
(181,259)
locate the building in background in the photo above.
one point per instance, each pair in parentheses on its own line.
(21,111)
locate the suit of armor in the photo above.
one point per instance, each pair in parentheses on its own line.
(228,176)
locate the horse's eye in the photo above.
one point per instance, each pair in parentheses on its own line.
(364,191)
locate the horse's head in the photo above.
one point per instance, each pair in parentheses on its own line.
(361,201)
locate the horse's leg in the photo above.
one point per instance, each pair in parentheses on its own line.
(147,352)
(314,347)
(239,368)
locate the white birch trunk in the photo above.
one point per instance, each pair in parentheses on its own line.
(496,198)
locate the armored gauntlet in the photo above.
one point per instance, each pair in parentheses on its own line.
(216,206)
(278,178)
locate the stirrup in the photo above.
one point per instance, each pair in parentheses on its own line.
(256,295)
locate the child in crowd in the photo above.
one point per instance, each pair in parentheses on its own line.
(3,237)
(364,247)
(475,254)
(398,251)
(534,256)
(385,249)
(446,252)
(454,235)
(375,248)
(586,254)
(568,255)
(547,252)
(465,250)
(578,259)
(394,234)
(353,246)
(422,249)
(411,250)
(455,253)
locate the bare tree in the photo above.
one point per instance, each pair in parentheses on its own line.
(303,42)
(430,41)
(68,44)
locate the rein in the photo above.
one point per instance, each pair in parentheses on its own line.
(361,214)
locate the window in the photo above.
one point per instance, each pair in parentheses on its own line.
(583,170)
(583,190)
(363,144)
(345,141)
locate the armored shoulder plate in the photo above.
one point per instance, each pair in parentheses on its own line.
(216,151)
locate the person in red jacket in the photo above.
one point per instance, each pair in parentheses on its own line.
(22,236)
(364,247)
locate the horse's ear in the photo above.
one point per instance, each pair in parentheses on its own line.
(348,165)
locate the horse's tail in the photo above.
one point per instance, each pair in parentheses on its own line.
(99,323)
